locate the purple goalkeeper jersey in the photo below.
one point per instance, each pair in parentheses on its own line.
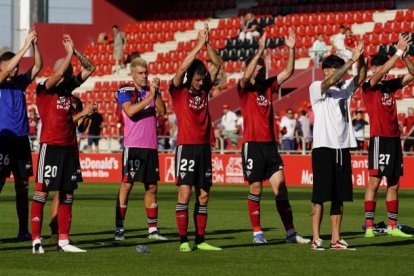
(140,130)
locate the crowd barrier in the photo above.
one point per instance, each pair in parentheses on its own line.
(227,169)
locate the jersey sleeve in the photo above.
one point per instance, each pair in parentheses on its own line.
(274,85)
(75,82)
(41,87)
(349,87)
(123,97)
(24,80)
(315,92)
(394,85)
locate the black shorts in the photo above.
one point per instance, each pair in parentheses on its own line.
(260,160)
(58,168)
(140,165)
(332,175)
(385,157)
(193,165)
(16,157)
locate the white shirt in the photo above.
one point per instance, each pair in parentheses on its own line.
(290,125)
(228,121)
(339,42)
(333,124)
(306,127)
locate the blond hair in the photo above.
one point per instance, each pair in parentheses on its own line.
(138,62)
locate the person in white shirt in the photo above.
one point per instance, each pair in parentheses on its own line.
(288,129)
(229,125)
(318,49)
(338,42)
(333,136)
(304,129)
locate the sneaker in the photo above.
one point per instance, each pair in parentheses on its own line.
(37,248)
(317,245)
(369,233)
(70,248)
(156,236)
(206,246)
(259,238)
(341,244)
(185,247)
(119,235)
(24,236)
(397,233)
(296,238)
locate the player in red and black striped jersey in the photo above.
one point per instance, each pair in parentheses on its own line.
(261,160)
(193,155)
(58,164)
(385,158)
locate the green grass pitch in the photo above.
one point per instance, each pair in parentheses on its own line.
(228,227)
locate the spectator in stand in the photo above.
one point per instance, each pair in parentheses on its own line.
(288,130)
(409,130)
(94,131)
(359,128)
(338,42)
(119,47)
(229,125)
(239,123)
(250,28)
(33,123)
(304,129)
(318,49)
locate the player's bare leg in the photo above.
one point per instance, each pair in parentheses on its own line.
(336,213)
(181,216)
(121,208)
(370,205)
(317,215)
(151,208)
(278,183)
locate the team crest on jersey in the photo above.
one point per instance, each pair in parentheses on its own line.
(208,173)
(182,175)
(74,177)
(197,103)
(132,174)
(262,101)
(382,168)
(248,173)
(63,103)
(47,182)
(387,100)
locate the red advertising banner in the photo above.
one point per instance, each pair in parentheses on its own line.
(227,169)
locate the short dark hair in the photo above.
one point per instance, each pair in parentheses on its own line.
(358,112)
(196,68)
(341,27)
(7,56)
(115,26)
(261,75)
(379,60)
(303,112)
(332,61)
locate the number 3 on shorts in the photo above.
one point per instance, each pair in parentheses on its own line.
(249,164)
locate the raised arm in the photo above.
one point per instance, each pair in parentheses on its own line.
(13,62)
(159,103)
(410,66)
(59,72)
(87,66)
(38,61)
(248,73)
(362,70)
(131,109)
(215,59)
(402,45)
(340,72)
(290,65)
(179,75)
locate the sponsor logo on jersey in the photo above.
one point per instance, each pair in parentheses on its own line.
(63,103)
(197,103)
(387,100)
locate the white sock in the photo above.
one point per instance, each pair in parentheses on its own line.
(36,241)
(152,229)
(63,242)
(257,232)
